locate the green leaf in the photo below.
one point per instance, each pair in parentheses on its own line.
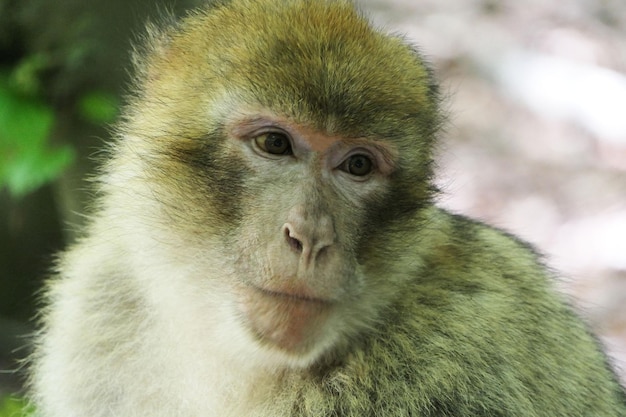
(35,167)
(24,122)
(98,107)
(25,76)
(12,406)
(27,160)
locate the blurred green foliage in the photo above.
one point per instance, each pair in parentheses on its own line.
(28,159)
(98,107)
(12,406)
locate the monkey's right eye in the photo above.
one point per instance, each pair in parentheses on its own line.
(274,143)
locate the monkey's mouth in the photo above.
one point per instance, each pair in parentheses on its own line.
(292,295)
(291,321)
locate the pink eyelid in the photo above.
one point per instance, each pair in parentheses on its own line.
(383,155)
(380,156)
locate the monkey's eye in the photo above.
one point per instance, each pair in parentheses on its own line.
(358,165)
(274,143)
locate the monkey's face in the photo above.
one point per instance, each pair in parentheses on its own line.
(287,213)
(307,196)
(285,147)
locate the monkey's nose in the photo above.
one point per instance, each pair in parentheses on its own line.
(308,243)
(292,240)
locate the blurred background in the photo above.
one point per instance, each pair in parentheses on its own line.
(535,144)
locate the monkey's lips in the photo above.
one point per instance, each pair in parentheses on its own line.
(291,321)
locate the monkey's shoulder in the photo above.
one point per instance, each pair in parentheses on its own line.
(480,318)
(479,280)
(456,239)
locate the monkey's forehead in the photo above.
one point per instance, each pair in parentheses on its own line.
(320,61)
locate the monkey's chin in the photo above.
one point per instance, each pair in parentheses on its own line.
(294,324)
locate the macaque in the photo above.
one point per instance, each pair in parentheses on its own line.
(266,243)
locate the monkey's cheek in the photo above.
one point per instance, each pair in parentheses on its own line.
(290,324)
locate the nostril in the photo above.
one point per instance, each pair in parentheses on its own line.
(295,243)
(292,241)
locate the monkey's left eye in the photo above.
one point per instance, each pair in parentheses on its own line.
(358,165)
(274,143)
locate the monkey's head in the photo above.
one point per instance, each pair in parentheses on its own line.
(270,148)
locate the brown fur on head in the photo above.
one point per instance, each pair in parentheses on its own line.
(319,64)
(319,72)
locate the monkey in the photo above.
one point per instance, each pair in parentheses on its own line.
(266,241)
